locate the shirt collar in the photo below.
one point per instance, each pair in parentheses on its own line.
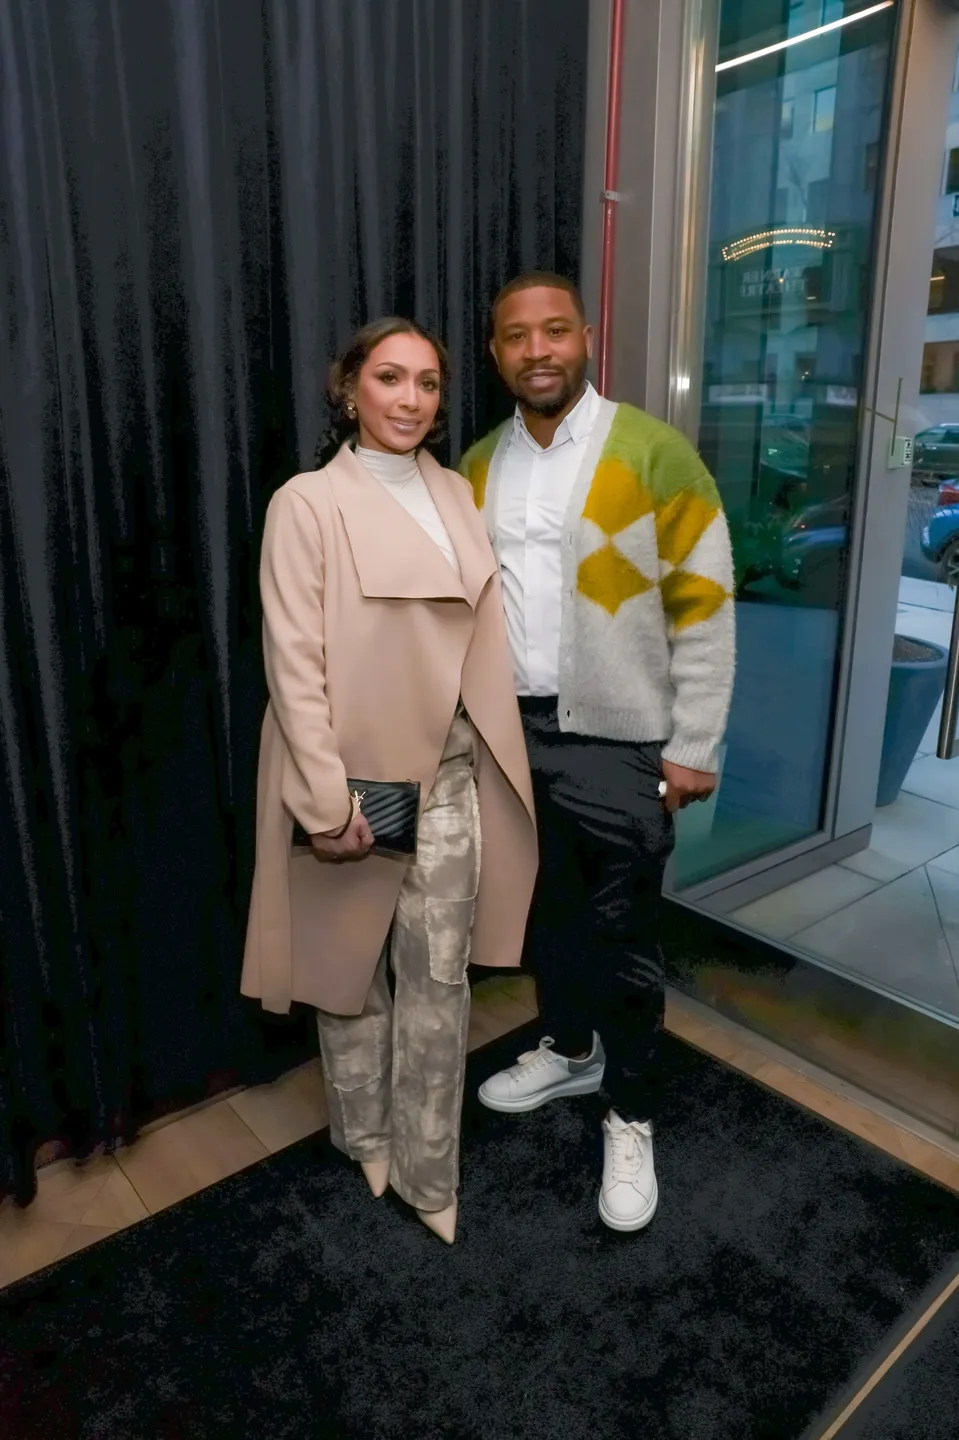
(576,425)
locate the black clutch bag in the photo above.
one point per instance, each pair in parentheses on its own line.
(391,808)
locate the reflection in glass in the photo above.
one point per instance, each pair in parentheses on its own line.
(796,161)
(931,549)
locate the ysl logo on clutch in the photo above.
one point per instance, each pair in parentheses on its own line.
(358,797)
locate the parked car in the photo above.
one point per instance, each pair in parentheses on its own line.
(935,454)
(922,502)
(814,545)
(785,451)
(940,534)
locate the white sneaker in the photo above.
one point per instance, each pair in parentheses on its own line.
(629,1193)
(540,1075)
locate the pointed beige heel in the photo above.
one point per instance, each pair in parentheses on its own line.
(441,1222)
(377,1174)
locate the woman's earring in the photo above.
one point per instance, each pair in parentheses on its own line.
(351,409)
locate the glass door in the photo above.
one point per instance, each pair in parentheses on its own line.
(800,122)
(818,894)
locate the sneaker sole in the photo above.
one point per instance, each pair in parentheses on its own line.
(626,1226)
(576,1085)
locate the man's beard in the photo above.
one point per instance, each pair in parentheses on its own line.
(548,408)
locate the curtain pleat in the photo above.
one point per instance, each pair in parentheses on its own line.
(199,201)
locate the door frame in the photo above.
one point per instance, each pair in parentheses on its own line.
(656,353)
(889,1047)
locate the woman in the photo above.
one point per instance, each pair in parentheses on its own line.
(386,660)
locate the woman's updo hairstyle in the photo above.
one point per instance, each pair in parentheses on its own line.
(344,373)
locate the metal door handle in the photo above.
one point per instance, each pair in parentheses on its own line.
(950,700)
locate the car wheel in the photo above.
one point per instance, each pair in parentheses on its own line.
(949,565)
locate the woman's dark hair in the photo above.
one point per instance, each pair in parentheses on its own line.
(343,376)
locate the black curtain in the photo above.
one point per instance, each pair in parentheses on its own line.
(199,200)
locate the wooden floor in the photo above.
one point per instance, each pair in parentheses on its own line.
(78,1205)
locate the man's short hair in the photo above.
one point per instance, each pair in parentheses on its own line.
(538,280)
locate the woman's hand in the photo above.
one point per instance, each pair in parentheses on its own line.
(354,844)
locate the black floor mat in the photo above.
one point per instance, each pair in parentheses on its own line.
(918,1397)
(287,1302)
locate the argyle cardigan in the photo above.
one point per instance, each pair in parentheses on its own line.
(647,630)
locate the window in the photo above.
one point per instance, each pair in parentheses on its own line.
(936,290)
(818,194)
(870,167)
(760,435)
(944,282)
(952,173)
(813,276)
(824,110)
(811,15)
(804,368)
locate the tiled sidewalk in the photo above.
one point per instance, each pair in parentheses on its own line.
(890,914)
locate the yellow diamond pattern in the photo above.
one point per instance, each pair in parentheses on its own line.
(617,498)
(681,524)
(609,579)
(690,599)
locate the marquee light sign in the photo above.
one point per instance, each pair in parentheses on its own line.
(782,235)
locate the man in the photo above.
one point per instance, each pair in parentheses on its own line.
(617,579)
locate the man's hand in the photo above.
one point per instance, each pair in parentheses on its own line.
(684,786)
(354,844)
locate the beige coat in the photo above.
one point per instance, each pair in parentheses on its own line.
(369,642)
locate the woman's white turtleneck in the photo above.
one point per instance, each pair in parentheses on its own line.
(401,476)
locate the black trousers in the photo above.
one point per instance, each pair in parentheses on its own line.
(593,941)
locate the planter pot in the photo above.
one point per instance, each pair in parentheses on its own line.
(915,688)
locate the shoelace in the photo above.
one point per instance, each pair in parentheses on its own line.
(627,1154)
(529,1059)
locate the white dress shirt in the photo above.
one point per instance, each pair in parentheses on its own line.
(534,492)
(402,477)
